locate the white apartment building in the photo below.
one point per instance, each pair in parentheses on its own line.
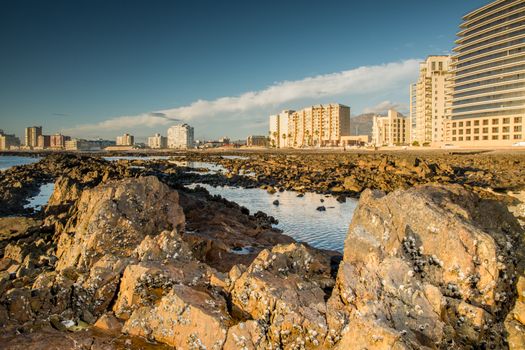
(320,125)
(428,101)
(278,131)
(157,141)
(125,140)
(31,136)
(391,130)
(180,136)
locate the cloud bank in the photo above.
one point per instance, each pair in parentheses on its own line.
(384,106)
(362,83)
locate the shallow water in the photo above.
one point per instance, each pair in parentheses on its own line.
(7,162)
(41,199)
(298,217)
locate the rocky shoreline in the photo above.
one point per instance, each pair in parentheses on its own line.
(124,256)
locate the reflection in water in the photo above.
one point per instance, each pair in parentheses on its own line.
(298,217)
(41,199)
(9,161)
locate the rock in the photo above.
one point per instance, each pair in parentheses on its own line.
(113,218)
(276,202)
(184,318)
(515,321)
(249,335)
(437,273)
(321,208)
(109,323)
(284,288)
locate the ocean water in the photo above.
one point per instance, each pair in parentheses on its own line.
(298,216)
(7,162)
(41,199)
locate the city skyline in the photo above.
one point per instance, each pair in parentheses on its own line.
(207,82)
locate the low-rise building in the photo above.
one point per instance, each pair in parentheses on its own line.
(391,130)
(357,140)
(157,141)
(125,140)
(181,136)
(256,141)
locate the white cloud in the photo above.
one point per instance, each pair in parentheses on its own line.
(384,106)
(361,83)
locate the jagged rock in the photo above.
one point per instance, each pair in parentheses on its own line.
(249,335)
(515,321)
(284,288)
(429,267)
(185,318)
(109,323)
(113,218)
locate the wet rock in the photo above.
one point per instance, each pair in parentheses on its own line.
(515,321)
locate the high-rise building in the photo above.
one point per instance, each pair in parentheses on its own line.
(58,141)
(8,142)
(180,136)
(487,102)
(157,141)
(43,141)
(320,125)
(428,101)
(391,130)
(125,140)
(279,129)
(31,136)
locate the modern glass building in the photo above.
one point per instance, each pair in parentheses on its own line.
(487,102)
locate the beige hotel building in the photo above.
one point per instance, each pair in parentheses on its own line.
(487,101)
(319,125)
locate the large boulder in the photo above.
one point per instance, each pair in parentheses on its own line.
(113,218)
(285,290)
(429,267)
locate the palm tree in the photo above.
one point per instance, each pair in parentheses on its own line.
(284,139)
(316,132)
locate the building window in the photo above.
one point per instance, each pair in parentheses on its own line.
(485,130)
(495,121)
(506,137)
(468,124)
(495,137)
(460,124)
(485,137)
(460,139)
(453,139)
(517,128)
(476,138)
(461,131)
(453,132)
(476,131)
(476,122)
(433,65)
(485,122)
(454,125)
(505,129)
(517,120)
(506,120)
(495,130)
(467,131)
(467,138)
(517,137)
(440,65)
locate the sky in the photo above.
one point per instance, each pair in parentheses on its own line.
(99,68)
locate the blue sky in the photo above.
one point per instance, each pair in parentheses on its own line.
(93,68)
